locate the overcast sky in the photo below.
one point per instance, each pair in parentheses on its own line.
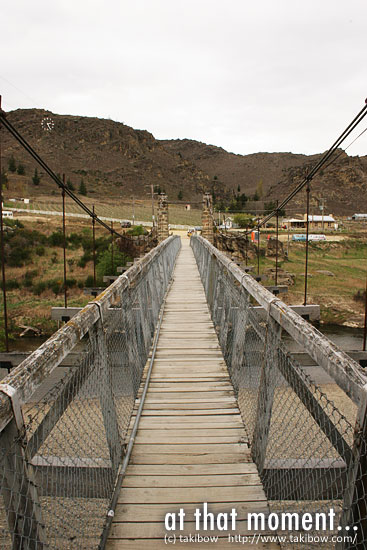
(246,75)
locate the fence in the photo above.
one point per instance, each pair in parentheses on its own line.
(64,430)
(308,438)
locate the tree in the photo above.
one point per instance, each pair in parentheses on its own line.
(11,164)
(180,195)
(82,188)
(36,179)
(244,220)
(259,189)
(21,170)
(271,206)
(70,186)
(4,178)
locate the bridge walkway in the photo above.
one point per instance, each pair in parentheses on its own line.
(191,445)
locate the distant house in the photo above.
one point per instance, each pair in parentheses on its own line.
(315,222)
(322,222)
(359,217)
(227,223)
(294,223)
(8,214)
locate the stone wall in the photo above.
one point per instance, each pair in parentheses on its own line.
(137,246)
(162,218)
(207,218)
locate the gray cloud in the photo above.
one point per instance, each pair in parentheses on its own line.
(248,76)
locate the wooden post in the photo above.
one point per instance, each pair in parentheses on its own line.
(108,406)
(64,241)
(5,308)
(355,503)
(307,233)
(266,393)
(20,495)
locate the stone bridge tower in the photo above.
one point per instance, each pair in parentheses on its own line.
(207,218)
(162,220)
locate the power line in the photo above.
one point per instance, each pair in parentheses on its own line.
(358,118)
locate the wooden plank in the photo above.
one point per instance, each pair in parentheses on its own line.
(166,424)
(203,458)
(188,432)
(188,403)
(155,544)
(153,410)
(181,387)
(229,480)
(151,530)
(156,512)
(183,440)
(191,469)
(190,449)
(191,494)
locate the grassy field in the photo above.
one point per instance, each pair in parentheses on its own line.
(121,210)
(35,284)
(336,274)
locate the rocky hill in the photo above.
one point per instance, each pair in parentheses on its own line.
(109,156)
(116,160)
(342,184)
(249,172)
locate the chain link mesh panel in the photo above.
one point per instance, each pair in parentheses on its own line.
(308,438)
(58,470)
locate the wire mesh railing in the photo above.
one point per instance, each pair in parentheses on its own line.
(307,426)
(64,429)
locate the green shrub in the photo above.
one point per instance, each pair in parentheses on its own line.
(136,231)
(13,223)
(70,283)
(19,256)
(104,263)
(56,238)
(89,281)
(56,285)
(40,250)
(29,276)
(74,240)
(39,288)
(11,284)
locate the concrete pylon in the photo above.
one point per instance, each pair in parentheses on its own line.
(207,218)
(162,221)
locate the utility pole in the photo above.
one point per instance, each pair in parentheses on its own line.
(6,332)
(322,205)
(133,210)
(152,191)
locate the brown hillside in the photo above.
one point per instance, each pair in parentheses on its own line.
(246,171)
(111,157)
(343,183)
(117,161)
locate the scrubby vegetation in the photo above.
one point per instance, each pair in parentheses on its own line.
(34,269)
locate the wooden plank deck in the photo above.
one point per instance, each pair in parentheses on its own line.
(191,445)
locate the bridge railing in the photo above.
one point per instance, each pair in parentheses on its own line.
(64,429)
(306,424)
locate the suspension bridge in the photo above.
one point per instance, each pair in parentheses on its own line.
(174,404)
(181,396)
